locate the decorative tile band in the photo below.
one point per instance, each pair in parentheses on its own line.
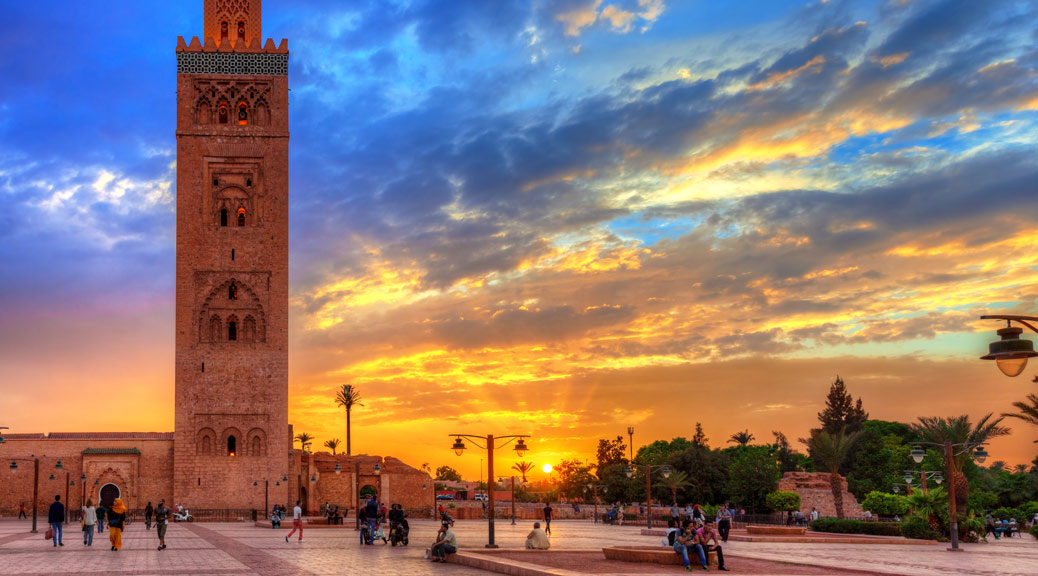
(232,63)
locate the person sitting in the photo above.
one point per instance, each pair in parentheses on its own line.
(684,542)
(446,543)
(537,539)
(707,538)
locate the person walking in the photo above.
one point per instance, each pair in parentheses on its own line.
(724,522)
(161,522)
(297,522)
(89,519)
(116,521)
(371,517)
(547,518)
(56,517)
(148,512)
(21,512)
(102,514)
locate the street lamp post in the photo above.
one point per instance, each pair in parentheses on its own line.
(513,497)
(665,471)
(1010,352)
(949,456)
(520,450)
(36,483)
(630,443)
(925,475)
(594,491)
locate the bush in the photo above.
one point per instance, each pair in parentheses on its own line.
(1034,531)
(885,504)
(1029,509)
(918,529)
(847,526)
(783,501)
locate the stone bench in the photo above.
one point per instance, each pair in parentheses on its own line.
(776,530)
(653,555)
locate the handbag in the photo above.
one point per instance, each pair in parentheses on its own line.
(48,534)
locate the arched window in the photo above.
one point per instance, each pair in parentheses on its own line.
(224,30)
(223,113)
(241,30)
(232,330)
(232,292)
(232,446)
(241,216)
(243,114)
(249,326)
(257,446)
(223,217)
(214,329)
(207,446)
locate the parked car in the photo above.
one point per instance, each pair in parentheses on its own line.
(445,496)
(481,497)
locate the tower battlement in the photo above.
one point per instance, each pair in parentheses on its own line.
(212,45)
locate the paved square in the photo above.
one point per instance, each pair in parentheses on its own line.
(242,549)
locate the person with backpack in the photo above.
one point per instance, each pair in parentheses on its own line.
(684,542)
(102,514)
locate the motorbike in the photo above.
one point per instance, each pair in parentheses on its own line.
(184,516)
(398,533)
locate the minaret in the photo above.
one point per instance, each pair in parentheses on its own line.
(232,264)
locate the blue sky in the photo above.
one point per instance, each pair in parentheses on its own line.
(563,195)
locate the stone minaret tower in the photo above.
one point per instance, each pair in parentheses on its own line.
(232,263)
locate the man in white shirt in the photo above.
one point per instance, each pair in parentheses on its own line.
(297,522)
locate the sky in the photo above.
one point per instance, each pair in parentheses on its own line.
(552,217)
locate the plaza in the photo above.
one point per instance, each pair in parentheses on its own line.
(246,550)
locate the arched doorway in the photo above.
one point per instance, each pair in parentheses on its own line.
(368,490)
(108,494)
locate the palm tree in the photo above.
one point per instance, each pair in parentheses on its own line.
(958,430)
(303,438)
(333,444)
(830,450)
(1027,412)
(929,505)
(523,467)
(742,438)
(348,397)
(676,481)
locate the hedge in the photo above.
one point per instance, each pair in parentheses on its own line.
(918,529)
(847,526)
(1034,530)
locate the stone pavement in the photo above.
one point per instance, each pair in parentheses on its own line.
(242,549)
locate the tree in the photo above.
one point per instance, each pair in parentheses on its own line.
(783,501)
(700,439)
(959,430)
(572,478)
(333,444)
(522,467)
(741,438)
(885,504)
(347,397)
(657,452)
(789,460)
(1027,412)
(426,468)
(678,479)
(752,475)
(447,473)
(830,450)
(303,438)
(611,452)
(841,412)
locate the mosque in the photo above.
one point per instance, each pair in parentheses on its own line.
(232,446)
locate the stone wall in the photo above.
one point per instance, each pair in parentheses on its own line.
(816,492)
(139,464)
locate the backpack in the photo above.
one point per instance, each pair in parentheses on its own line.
(672,537)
